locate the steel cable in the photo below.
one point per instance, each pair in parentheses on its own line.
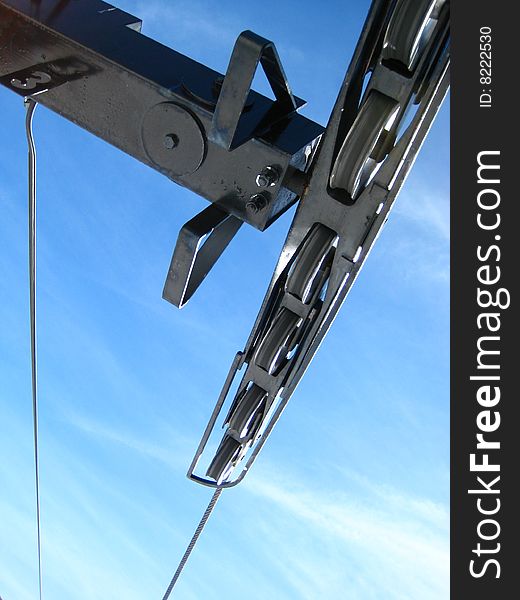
(193,541)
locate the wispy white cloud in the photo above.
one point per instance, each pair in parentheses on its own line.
(425,210)
(419,264)
(398,550)
(404,538)
(167,446)
(186,23)
(416,240)
(373,542)
(92,527)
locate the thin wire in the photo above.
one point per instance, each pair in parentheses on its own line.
(30,105)
(193,541)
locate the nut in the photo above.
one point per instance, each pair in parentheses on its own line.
(268,176)
(257,202)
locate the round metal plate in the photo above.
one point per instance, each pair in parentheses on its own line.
(173,139)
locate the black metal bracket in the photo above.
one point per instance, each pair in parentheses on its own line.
(202,240)
(250,50)
(211,134)
(200,243)
(181,118)
(159,106)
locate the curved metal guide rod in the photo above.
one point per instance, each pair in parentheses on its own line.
(30,106)
(347,200)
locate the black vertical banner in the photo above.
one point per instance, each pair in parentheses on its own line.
(485,212)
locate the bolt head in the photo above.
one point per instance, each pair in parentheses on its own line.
(262,180)
(257,202)
(267,177)
(171,141)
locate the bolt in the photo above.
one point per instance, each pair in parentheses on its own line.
(257,202)
(267,177)
(171,141)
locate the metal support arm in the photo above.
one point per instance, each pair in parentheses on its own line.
(156,104)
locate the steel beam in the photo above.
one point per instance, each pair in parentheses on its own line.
(88,61)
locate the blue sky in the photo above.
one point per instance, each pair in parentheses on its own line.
(349,498)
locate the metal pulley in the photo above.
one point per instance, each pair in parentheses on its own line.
(359,168)
(173,139)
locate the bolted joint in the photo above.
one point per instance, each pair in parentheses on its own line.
(257,202)
(171,141)
(268,176)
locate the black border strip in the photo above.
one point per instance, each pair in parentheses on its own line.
(487,124)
